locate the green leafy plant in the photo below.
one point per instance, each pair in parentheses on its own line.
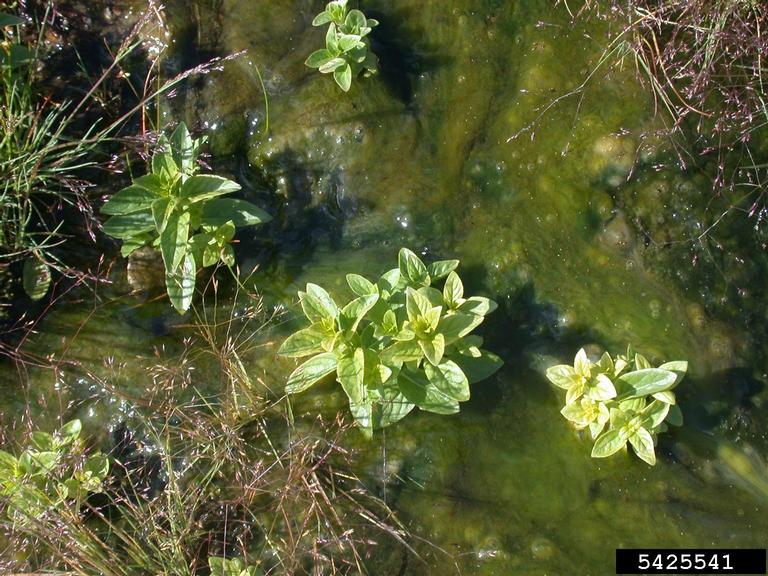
(182,213)
(231,567)
(398,344)
(627,395)
(54,471)
(347,50)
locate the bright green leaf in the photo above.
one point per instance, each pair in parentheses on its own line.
(642,443)
(646,382)
(311,372)
(360,285)
(206,187)
(318,58)
(355,311)
(355,20)
(421,392)
(163,163)
(679,367)
(128,200)
(610,442)
(392,407)
(562,376)
(127,225)
(180,284)
(162,209)
(413,269)
(453,291)
(457,325)
(304,342)
(449,379)
(343,77)
(601,388)
(348,41)
(173,240)
(239,212)
(327,307)
(183,149)
(152,183)
(433,349)
(478,305)
(402,351)
(351,375)
(70,431)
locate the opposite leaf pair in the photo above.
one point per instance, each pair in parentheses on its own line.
(400,343)
(626,394)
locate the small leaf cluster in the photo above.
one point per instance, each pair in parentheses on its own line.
(347,50)
(181,213)
(52,472)
(398,344)
(620,400)
(231,567)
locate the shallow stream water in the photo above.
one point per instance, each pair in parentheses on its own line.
(424,155)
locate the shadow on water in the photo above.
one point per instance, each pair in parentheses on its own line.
(310,211)
(399,63)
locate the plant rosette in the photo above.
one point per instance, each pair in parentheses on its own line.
(620,401)
(347,48)
(399,344)
(182,214)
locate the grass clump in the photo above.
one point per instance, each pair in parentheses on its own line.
(703,59)
(57,138)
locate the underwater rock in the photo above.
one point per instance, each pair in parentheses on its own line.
(145,270)
(543,548)
(618,234)
(613,158)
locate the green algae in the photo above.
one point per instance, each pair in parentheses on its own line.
(421,156)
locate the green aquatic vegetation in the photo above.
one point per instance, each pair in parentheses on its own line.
(181,213)
(52,472)
(231,567)
(400,343)
(347,49)
(627,395)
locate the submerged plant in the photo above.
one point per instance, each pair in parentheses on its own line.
(626,394)
(400,343)
(231,567)
(180,212)
(52,472)
(346,51)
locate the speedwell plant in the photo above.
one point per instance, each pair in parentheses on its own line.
(622,400)
(180,212)
(400,343)
(53,471)
(346,51)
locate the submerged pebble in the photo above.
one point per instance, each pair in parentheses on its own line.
(543,548)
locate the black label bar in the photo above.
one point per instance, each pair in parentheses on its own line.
(691,561)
